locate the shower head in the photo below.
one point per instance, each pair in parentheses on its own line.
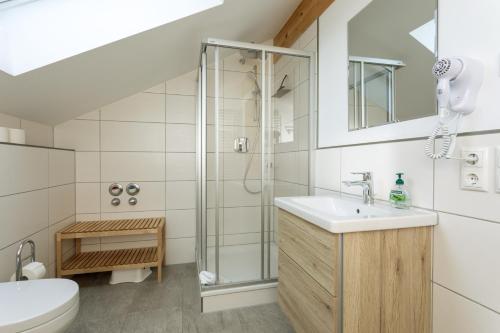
(282,90)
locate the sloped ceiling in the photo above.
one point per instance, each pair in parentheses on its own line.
(69,88)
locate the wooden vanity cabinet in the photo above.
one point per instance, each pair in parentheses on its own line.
(362,282)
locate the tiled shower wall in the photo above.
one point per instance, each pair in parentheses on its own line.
(291,174)
(37,198)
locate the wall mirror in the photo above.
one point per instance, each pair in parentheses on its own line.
(392,48)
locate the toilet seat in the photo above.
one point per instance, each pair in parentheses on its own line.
(48,305)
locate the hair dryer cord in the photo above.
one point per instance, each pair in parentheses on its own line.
(448,145)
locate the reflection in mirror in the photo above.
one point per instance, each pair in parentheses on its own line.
(290,97)
(392,48)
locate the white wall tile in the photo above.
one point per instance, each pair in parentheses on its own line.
(301,100)
(151,197)
(61,167)
(238,239)
(92,115)
(455,314)
(451,198)
(384,160)
(241,220)
(465,256)
(132,215)
(135,166)
(183,85)
(22,215)
(235,165)
(180,109)
(180,166)
(180,138)
(132,136)
(328,166)
(180,251)
(87,198)
(61,202)
(301,133)
(140,107)
(8,255)
(286,167)
(81,135)
(240,112)
(38,134)
(9,121)
(84,217)
(23,169)
(67,245)
(308,35)
(238,85)
(181,195)
(87,167)
(181,223)
(235,195)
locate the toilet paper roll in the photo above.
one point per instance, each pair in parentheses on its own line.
(33,271)
(4,134)
(17,135)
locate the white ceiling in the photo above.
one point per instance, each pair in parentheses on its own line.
(69,88)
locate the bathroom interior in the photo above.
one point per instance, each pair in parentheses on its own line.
(249,166)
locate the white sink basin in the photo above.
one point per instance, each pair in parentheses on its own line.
(341,215)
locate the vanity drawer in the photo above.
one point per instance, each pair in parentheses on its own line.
(308,305)
(311,247)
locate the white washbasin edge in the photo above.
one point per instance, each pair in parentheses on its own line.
(416,217)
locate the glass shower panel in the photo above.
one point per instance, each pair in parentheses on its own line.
(355,110)
(289,135)
(234,93)
(378,92)
(253,138)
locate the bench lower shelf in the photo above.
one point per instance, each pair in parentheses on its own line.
(103,261)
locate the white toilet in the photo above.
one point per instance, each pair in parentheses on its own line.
(38,306)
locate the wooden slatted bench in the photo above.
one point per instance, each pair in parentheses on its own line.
(102,261)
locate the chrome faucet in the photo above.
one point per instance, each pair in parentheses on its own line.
(366,184)
(19,259)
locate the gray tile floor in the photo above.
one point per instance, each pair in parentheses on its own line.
(172,306)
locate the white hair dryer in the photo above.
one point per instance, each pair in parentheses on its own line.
(459,80)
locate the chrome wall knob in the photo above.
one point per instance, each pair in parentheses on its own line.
(132,201)
(115,189)
(133,189)
(115,201)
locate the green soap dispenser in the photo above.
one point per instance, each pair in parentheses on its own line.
(399,196)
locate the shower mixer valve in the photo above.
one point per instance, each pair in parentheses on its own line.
(241,145)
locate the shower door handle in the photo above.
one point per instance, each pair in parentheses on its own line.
(241,145)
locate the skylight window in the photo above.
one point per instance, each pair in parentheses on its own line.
(35,33)
(426,35)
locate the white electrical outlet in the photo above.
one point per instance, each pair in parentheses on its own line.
(474,171)
(497,169)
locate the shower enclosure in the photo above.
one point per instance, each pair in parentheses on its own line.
(253,144)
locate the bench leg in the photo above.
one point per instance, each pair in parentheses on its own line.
(160,253)
(58,255)
(78,245)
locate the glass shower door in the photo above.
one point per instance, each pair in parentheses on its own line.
(238,98)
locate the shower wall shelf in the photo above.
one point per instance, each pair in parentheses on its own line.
(103,261)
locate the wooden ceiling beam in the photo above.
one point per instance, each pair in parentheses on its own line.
(305,14)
